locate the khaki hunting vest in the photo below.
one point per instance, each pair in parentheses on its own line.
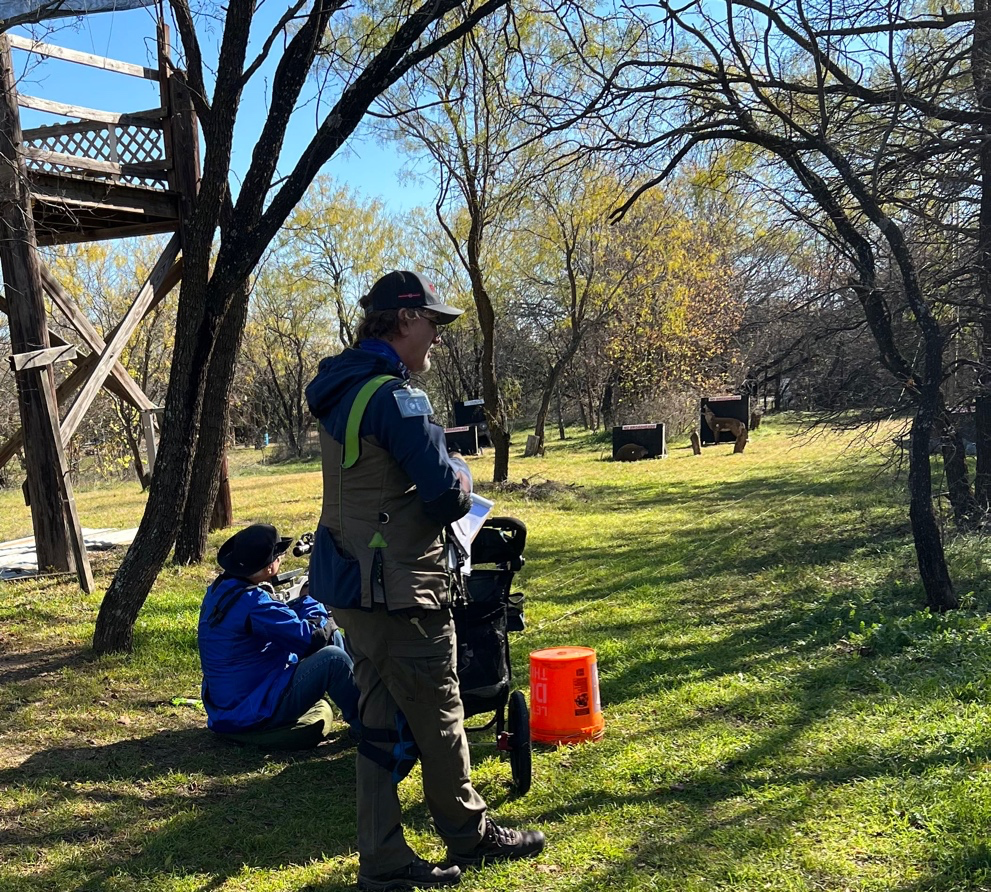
(376,516)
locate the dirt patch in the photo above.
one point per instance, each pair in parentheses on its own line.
(540,489)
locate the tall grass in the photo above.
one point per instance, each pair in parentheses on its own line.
(779,712)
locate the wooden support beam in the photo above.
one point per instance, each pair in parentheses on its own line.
(75,190)
(151,442)
(67,55)
(169,281)
(85,365)
(58,536)
(36,103)
(82,371)
(182,145)
(113,385)
(91,337)
(185,149)
(39,359)
(77,545)
(119,338)
(99,235)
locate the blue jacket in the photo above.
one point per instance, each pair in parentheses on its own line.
(417,452)
(249,647)
(416,443)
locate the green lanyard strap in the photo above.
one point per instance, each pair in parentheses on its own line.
(352,443)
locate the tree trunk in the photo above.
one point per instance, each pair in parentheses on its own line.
(583,415)
(223,508)
(494,410)
(981,65)
(197,324)
(606,406)
(550,386)
(560,417)
(208,506)
(962,500)
(925,531)
(156,533)
(982,425)
(500,446)
(293,446)
(134,445)
(545,404)
(206,296)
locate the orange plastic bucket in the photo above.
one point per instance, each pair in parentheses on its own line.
(564,696)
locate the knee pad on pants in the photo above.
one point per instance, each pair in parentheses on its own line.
(404,753)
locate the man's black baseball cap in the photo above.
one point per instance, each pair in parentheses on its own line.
(252,549)
(404,289)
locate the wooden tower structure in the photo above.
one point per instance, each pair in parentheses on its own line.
(107,175)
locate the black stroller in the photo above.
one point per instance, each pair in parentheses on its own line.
(483,622)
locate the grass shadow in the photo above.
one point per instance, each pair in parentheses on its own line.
(180,787)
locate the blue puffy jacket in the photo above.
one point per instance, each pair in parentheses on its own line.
(249,646)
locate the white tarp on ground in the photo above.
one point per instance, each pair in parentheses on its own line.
(18,557)
(18,11)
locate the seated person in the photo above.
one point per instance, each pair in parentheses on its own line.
(266,663)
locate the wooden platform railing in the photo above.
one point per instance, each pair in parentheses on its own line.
(128,148)
(67,55)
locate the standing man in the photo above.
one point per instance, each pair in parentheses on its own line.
(380,561)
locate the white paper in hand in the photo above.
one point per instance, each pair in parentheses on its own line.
(466,529)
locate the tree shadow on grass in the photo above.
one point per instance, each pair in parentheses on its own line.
(28,675)
(968,870)
(745,807)
(800,670)
(720,618)
(24,665)
(183,802)
(180,787)
(742,536)
(738,637)
(727,823)
(659,491)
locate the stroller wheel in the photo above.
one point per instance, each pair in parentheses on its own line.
(520,752)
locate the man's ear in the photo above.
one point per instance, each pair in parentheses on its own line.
(265,572)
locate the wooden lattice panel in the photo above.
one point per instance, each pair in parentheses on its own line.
(94,144)
(139,144)
(110,145)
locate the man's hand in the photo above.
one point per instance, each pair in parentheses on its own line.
(461,472)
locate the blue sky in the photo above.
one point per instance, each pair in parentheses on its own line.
(370,169)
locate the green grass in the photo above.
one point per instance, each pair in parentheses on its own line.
(779,713)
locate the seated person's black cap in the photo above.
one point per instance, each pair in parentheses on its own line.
(252,549)
(403,289)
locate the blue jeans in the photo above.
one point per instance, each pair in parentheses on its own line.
(328,672)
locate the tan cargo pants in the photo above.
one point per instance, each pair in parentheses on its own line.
(408,662)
